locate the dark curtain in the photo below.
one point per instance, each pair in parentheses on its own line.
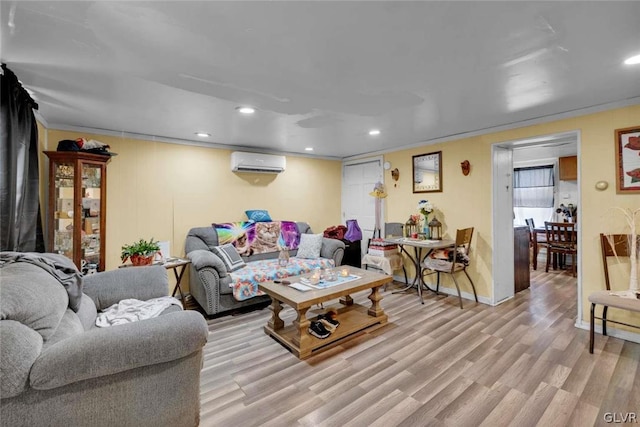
(21,225)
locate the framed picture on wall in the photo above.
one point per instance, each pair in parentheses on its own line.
(427,172)
(628,160)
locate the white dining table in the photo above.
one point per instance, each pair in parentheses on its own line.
(419,245)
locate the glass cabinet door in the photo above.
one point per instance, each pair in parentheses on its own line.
(90,216)
(64,177)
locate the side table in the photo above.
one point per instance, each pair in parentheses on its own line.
(172,264)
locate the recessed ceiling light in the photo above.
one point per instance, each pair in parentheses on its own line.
(246,110)
(633,60)
(308,149)
(203,134)
(374,132)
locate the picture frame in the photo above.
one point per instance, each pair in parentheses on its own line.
(427,172)
(628,160)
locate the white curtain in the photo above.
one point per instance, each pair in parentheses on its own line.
(533,187)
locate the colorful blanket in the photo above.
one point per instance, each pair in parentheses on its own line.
(245,281)
(251,237)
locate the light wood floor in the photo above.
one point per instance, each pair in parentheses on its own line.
(522,363)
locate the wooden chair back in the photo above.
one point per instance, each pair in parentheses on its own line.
(463,242)
(530,224)
(561,236)
(463,237)
(616,245)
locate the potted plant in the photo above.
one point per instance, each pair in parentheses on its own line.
(140,252)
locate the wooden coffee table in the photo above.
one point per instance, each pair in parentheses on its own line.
(353,317)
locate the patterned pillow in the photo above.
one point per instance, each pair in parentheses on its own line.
(258,215)
(229,256)
(310,245)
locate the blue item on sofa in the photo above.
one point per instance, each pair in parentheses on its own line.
(258,215)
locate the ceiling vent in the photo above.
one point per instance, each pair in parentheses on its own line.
(257,163)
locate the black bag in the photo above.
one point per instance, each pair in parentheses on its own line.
(68,145)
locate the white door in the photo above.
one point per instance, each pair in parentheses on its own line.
(358,179)
(503,269)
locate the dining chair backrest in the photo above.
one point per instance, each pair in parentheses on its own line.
(561,234)
(530,224)
(614,245)
(460,256)
(393,229)
(463,238)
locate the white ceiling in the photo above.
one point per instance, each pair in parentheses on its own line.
(321,74)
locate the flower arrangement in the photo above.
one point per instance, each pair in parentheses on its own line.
(414,219)
(569,211)
(425,208)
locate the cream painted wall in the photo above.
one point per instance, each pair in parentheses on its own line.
(162,190)
(467,201)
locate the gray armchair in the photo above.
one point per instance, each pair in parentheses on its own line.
(59,369)
(209,279)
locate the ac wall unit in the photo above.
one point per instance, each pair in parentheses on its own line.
(257,163)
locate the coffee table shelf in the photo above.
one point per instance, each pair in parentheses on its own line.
(354,318)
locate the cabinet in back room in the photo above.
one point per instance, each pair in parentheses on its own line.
(521,258)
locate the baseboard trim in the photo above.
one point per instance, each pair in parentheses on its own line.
(612,332)
(453,292)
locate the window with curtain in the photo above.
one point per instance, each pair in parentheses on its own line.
(533,194)
(533,187)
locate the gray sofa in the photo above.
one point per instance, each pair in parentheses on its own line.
(58,369)
(209,279)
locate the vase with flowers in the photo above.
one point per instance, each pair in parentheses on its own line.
(425,208)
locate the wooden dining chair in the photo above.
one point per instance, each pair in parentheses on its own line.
(561,241)
(536,240)
(452,261)
(612,245)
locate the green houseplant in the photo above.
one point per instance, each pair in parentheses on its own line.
(141,252)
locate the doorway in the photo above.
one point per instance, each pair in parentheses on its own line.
(358,179)
(522,153)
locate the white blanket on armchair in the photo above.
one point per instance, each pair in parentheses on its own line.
(132,310)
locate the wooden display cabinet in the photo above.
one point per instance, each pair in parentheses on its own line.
(76,225)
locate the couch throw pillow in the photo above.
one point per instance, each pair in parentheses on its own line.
(229,256)
(310,245)
(258,215)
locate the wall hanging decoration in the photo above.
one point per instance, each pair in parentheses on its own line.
(427,172)
(466,167)
(395,174)
(628,160)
